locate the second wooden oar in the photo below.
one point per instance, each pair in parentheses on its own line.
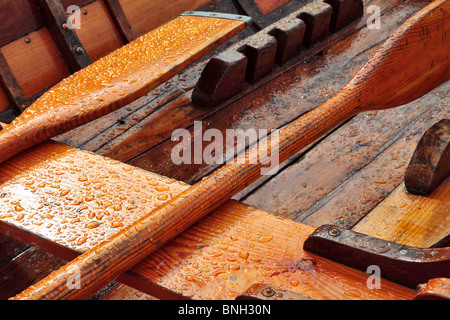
(410,64)
(119,78)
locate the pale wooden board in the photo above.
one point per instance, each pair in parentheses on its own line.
(414,220)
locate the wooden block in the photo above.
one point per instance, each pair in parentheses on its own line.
(317,16)
(430,163)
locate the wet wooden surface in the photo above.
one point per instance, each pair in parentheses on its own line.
(338,180)
(114,81)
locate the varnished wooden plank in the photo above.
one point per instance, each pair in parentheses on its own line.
(30,266)
(144,16)
(237,246)
(116,80)
(76,210)
(18,18)
(405,218)
(35,62)
(98,33)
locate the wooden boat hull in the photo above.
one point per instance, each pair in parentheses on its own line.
(343,179)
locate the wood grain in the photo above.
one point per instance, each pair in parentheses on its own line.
(35,61)
(98,33)
(270,104)
(419,221)
(147,15)
(115,80)
(367,91)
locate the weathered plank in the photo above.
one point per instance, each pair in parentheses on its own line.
(353,169)
(420,221)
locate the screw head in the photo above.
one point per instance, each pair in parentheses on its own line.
(305,264)
(334,232)
(268,292)
(79,50)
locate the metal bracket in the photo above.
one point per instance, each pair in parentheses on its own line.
(405,265)
(219,15)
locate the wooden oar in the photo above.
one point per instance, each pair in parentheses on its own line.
(119,78)
(411,63)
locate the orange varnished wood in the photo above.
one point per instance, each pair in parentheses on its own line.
(35,61)
(237,246)
(4,102)
(116,80)
(267,6)
(97,32)
(56,198)
(414,220)
(145,15)
(370,89)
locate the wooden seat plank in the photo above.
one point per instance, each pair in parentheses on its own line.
(186,291)
(55,193)
(420,221)
(237,246)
